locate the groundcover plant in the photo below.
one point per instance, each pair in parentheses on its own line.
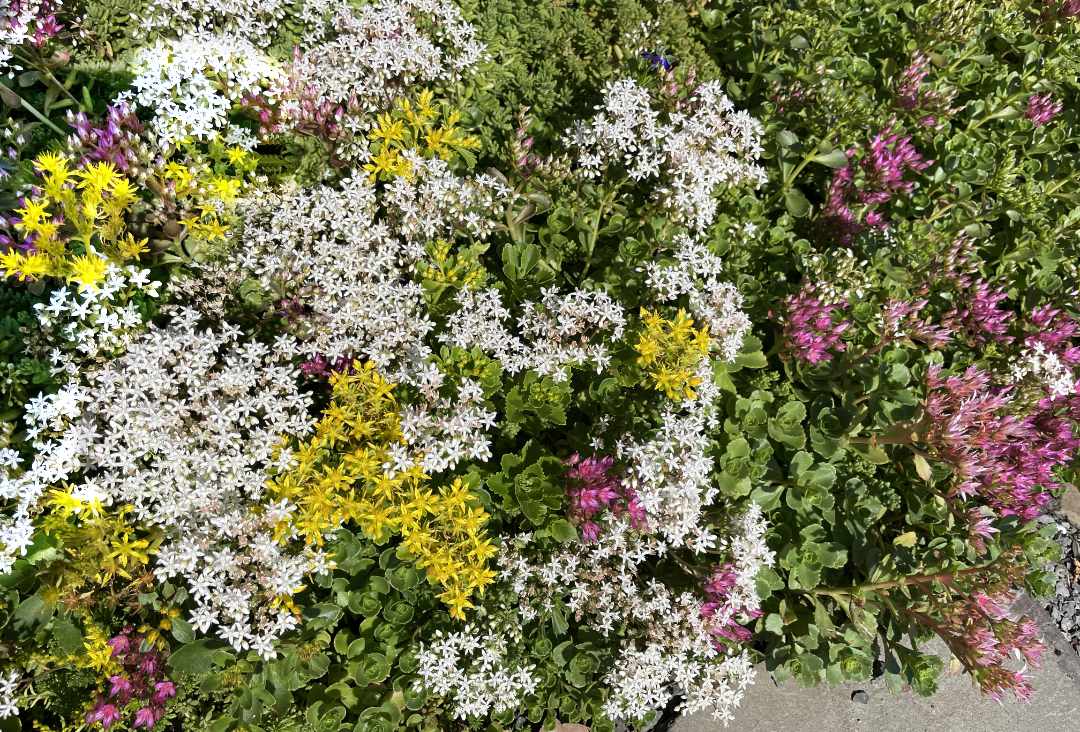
(490,364)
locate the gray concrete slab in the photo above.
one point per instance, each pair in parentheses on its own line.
(957,707)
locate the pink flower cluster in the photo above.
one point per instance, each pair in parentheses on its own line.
(141,683)
(900,318)
(873,181)
(1056,331)
(1060,10)
(719,608)
(298,106)
(983,636)
(117,140)
(1006,459)
(594,488)
(812,327)
(1042,108)
(980,317)
(911,95)
(44,21)
(319,367)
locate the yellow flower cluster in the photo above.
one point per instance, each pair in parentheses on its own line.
(207,187)
(339,476)
(85,206)
(100,544)
(671,351)
(98,652)
(416,128)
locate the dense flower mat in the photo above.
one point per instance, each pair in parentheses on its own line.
(496,363)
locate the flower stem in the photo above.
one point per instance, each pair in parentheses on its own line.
(945,577)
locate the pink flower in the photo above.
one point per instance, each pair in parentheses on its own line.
(980,529)
(120,686)
(1005,459)
(106,714)
(877,178)
(724,613)
(150,664)
(1056,331)
(1042,108)
(116,140)
(148,717)
(980,316)
(163,691)
(594,488)
(812,327)
(983,636)
(119,644)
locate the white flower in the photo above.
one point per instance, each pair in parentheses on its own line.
(693,154)
(699,275)
(9,686)
(381,49)
(471,669)
(1046,368)
(191,84)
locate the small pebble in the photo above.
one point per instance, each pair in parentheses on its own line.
(860,697)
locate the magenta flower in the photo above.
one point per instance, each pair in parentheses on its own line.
(1042,108)
(908,93)
(116,140)
(983,636)
(143,680)
(1055,331)
(1064,9)
(163,691)
(106,714)
(120,644)
(812,327)
(120,686)
(980,316)
(148,717)
(594,488)
(1003,458)
(319,367)
(43,21)
(980,529)
(876,179)
(724,612)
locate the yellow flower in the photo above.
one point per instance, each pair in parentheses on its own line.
(457,598)
(377,521)
(123,193)
(127,552)
(98,652)
(51,163)
(130,248)
(388,130)
(97,176)
(237,155)
(67,504)
(671,351)
(32,215)
(87,270)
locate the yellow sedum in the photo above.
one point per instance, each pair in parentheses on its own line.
(418,128)
(208,185)
(339,477)
(671,351)
(77,223)
(100,544)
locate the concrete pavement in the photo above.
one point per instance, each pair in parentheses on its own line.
(957,707)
